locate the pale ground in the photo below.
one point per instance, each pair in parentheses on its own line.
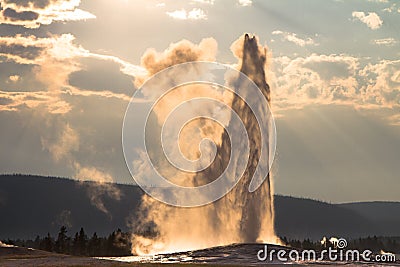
(17,256)
(23,257)
(11,256)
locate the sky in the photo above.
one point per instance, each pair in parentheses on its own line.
(69,68)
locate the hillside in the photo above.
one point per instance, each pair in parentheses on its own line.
(385,215)
(305,218)
(35,205)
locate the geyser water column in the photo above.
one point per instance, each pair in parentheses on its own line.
(208,145)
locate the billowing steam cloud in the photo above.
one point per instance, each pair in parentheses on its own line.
(194,132)
(63,148)
(183,51)
(239,216)
(67,142)
(102,185)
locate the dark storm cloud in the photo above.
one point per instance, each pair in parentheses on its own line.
(28,52)
(99,75)
(27,3)
(20,16)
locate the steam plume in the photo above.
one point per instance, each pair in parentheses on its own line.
(240,216)
(64,148)
(101,185)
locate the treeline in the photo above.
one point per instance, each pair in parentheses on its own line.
(376,244)
(116,244)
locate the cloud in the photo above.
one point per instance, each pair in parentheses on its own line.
(34,50)
(38,100)
(32,14)
(14,78)
(13,15)
(101,75)
(372,20)
(292,37)
(334,79)
(245,2)
(178,14)
(395,120)
(29,3)
(385,41)
(382,83)
(391,8)
(160,5)
(207,2)
(182,14)
(313,79)
(19,53)
(55,58)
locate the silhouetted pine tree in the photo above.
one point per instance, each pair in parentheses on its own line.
(61,245)
(47,243)
(94,245)
(82,242)
(75,245)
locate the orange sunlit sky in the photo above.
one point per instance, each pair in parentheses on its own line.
(68,70)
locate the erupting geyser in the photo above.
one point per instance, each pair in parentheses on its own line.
(240,216)
(256,208)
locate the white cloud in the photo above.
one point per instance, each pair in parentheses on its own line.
(182,14)
(245,2)
(14,78)
(334,79)
(292,37)
(178,14)
(197,13)
(160,5)
(208,2)
(372,20)
(313,79)
(392,8)
(385,41)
